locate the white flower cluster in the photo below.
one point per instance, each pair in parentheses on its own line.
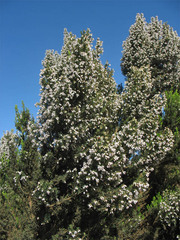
(154,44)
(74,234)
(77,94)
(143,129)
(8,148)
(169,208)
(8,141)
(44,192)
(20,176)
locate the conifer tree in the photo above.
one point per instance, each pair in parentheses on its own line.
(19,163)
(8,167)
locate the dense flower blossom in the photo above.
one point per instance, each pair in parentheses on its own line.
(154,44)
(8,149)
(169,208)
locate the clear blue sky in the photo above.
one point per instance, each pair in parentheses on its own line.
(28,28)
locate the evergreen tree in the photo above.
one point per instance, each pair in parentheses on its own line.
(18,178)
(8,167)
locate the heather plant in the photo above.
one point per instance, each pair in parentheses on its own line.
(77,115)
(145,143)
(169,210)
(99,162)
(153,46)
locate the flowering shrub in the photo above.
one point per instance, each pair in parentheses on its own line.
(151,64)
(153,44)
(8,148)
(85,168)
(169,208)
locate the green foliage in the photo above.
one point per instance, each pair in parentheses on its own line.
(155,202)
(172,111)
(21,119)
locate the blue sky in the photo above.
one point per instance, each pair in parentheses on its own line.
(29,28)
